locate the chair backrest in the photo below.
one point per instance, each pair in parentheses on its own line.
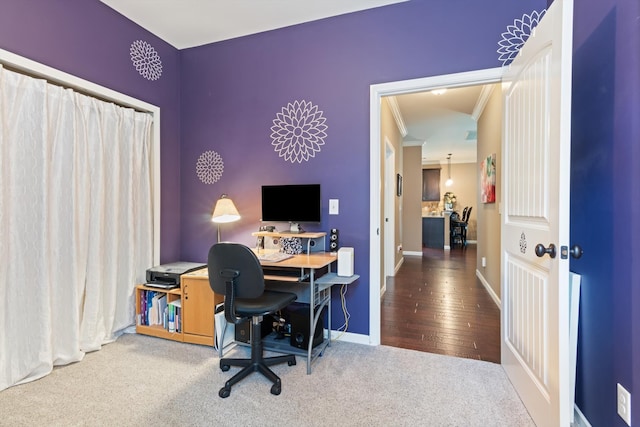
(464,213)
(455,216)
(237,263)
(466,219)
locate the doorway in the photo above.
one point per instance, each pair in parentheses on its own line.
(377,249)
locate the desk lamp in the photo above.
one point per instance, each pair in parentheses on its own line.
(225,211)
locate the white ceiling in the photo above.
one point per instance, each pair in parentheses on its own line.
(189,23)
(441,124)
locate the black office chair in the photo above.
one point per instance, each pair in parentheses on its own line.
(235,272)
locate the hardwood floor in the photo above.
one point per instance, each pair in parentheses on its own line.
(436,304)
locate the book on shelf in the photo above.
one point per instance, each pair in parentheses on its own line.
(176,308)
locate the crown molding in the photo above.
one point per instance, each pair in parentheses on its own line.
(395,110)
(482,101)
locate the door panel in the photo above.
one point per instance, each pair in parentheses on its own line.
(536,149)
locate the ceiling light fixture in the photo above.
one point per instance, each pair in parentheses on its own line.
(439,91)
(449,181)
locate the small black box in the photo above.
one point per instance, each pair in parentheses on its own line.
(298,315)
(243,330)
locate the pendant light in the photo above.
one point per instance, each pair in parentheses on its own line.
(449,181)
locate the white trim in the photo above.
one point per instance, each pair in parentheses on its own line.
(350,337)
(398,265)
(395,110)
(35,69)
(485,94)
(489,289)
(579,419)
(411,253)
(376,92)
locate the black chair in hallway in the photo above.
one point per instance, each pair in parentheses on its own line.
(455,229)
(458,227)
(236,273)
(465,219)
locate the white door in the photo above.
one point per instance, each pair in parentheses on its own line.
(535,210)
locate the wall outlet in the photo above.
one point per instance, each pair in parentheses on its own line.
(624,404)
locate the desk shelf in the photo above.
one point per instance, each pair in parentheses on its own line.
(312,241)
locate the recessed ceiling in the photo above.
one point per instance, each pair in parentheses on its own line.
(189,23)
(442,124)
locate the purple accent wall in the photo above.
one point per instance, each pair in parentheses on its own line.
(91,41)
(605,204)
(232,91)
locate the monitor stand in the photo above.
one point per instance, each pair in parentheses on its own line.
(294,228)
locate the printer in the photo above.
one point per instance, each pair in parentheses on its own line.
(168,275)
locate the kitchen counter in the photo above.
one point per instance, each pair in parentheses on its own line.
(435,230)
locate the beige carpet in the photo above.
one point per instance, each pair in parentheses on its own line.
(143,381)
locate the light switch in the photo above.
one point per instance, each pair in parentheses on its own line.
(334,206)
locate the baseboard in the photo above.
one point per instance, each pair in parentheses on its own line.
(579,420)
(411,253)
(489,289)
(395,271)
(350,337)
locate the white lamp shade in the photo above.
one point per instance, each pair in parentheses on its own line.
(225,211)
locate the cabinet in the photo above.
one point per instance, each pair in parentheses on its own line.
(194,303)
(433,232)
(430,185)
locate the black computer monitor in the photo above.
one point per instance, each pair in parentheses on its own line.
(295,204)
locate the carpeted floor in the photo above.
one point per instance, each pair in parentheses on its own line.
(140,380)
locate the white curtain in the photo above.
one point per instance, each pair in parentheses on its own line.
(75,223)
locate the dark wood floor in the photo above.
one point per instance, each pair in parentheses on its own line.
(436,304)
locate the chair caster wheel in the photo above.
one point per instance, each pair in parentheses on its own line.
(225,368)
(291,362)
(275,389)
(225,392)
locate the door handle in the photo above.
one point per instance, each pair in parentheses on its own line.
(541,250)
(576,251)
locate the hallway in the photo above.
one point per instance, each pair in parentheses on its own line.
(436,304)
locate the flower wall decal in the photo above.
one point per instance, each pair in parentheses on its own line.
(516,35)
(146,60)
(298,131)
(209,167)
(523,243)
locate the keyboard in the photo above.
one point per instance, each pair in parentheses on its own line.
(274,256)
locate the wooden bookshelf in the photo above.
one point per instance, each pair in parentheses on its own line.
(197,303)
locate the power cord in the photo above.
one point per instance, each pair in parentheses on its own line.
(342,329)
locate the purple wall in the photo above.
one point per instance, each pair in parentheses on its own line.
(605,204)
(231,92)
(91,41)
(226,95)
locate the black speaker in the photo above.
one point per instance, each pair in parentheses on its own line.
(299,318)
(333,240)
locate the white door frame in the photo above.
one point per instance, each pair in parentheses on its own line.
(389,211)
(376,156)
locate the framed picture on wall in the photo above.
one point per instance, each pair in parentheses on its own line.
(488,179)
(399,185)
